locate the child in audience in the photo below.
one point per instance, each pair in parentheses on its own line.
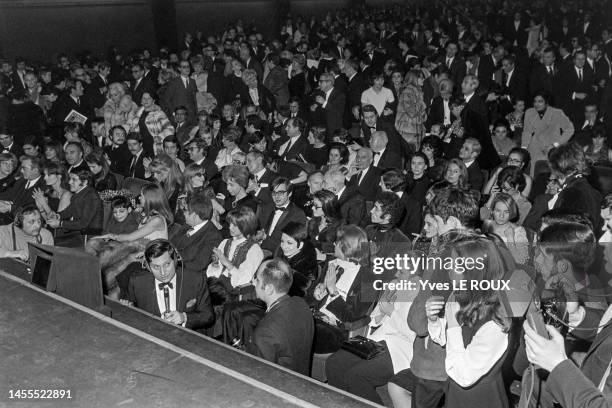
(124,220)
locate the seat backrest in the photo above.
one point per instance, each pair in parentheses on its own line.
(134,184)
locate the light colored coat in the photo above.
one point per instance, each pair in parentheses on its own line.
(540,135)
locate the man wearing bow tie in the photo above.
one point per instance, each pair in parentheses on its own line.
(180,296)
(285,212)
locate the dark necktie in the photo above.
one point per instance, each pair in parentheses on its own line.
(133,165)
(580,75)
(164,284)
(280,209)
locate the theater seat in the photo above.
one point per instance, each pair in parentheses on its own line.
(601,179)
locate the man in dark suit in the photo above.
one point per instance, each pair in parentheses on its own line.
(356,84)
(217,85)
(366,177)
(454,63)
(513,83)
(488,66)
(577,194)
(475,122)
(182,91)
(8,145)
(285,212)
(137,168)
(375,59)
(351,203)
(99,85)
(371,123)
(255,49)
(177,294)
(83,216)
(285,334)
(515,31)
(251,63)
(469,154)
(259,184)
(182,126)
(70,101)
(576,88)
(328,107)
(384,158)
(20,194)
(544,76)
(252,89)
(139,84)
(74,157)
(118,152)
(198,153)
(295,147)
(195,242)
(562,33)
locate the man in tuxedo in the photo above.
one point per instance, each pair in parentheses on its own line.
(8,145)
(182,91)
(356,84)
(139,84)
(137,168)
(295,147)
(74,157)
(351,203)
(255,50)
(70,101)
(474,119)
(83,216)
(178,295)
(196,241)
(454,63)
(543,77)
(366,177)
(515,31)
(285,212)
(592,120)
(576,88)
(285,334)
(20,194)
(384,158)
(469,154)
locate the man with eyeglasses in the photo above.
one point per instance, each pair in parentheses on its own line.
(139,84)
(327,109)
(285,212)
(197,152)
(182,92)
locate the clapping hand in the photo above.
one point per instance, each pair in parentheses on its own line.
(38,194)
(320,100)
(146,162)
(433,306)
(330,279)
(5,207)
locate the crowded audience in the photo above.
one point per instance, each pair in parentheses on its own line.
(268,176)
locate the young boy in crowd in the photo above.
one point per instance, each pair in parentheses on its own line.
(124,219)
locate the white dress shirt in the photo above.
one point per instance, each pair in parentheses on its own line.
(160,296)
(196,228)
(277,215)
(242,274)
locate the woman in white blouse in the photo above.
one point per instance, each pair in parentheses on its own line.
(473,328)
(236,259)
(378,96)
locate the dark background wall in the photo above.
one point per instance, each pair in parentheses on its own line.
(38,29)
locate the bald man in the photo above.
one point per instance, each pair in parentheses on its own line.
(385,158)
(351,203)
(366,177)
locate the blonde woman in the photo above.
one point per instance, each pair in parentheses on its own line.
(116,91)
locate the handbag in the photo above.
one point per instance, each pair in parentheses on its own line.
(363,347)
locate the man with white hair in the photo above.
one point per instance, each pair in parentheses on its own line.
(366,177)
(351,203)
(384,157)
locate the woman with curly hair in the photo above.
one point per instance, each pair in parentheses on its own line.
(116,91)
(411,109)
